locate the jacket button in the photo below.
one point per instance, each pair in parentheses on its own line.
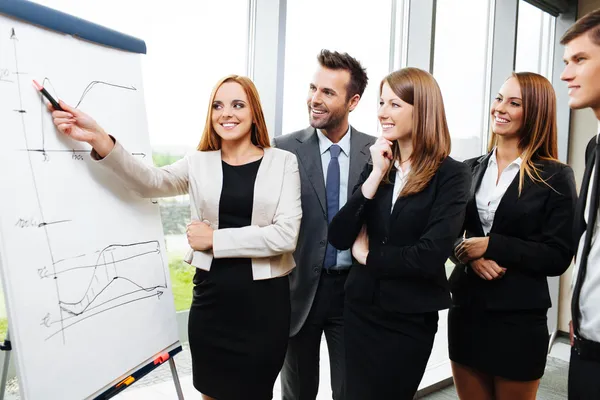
(384,240)
(322,243)
(316,269)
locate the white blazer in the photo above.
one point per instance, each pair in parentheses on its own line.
(276,211)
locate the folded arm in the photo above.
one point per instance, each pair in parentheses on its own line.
(423,258)
(548,253)
(347,223)
(267,241)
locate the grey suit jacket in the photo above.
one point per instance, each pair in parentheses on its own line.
(310,250)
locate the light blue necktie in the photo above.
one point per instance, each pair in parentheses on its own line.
(332,187)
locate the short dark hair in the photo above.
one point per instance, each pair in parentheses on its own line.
(358,74)
(590,22)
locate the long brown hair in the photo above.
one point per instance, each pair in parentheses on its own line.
(259,133)
(538,133)
(430,135)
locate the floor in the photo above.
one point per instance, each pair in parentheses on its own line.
(159,385)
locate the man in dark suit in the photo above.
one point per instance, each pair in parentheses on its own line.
(331,155)
(582,74)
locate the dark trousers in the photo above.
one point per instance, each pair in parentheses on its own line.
(584,378)
(300,373)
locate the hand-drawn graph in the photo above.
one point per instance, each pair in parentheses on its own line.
(43,150)
(90,284)
(43,115)
(82,257)
(115,276)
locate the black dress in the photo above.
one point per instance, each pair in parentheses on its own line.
(238,327)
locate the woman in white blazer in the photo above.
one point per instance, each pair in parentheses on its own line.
(246,211)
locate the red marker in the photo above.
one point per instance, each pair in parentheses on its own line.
(161,358)
(47,95)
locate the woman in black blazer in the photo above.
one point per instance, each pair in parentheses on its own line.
(518,231)
(411,201)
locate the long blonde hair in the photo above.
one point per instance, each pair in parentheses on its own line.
(430,135)
(210,140)
(538,133)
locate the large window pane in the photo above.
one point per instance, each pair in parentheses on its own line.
(191,44)
(461,71)
(342,25)
(535,40)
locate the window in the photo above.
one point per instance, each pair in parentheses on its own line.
(345,26)
(189,49)
(535,40)
(460,67)
(190,46)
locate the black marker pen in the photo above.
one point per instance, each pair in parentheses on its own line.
(47,95)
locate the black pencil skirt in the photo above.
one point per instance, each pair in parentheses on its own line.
(386,352)
(512,344)
(238,331)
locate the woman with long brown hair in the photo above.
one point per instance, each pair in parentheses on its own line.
(246,211)
(518,231)
(401,223)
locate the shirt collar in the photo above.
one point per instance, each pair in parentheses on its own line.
(344,143)
(518,161)
(400,171)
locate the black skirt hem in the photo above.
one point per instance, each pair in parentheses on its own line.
(511,344)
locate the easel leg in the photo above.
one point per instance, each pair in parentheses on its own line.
(175,379)
(550,342)
(6,347)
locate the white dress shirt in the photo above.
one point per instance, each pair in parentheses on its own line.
(490,193)
(400,182)
(344,258)
(589,298)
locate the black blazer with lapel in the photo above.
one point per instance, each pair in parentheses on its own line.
(408,247)
(312,240)
(579,226)
(531,237)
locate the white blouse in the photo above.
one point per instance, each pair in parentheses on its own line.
(490,192)
(589,297)
(400,182)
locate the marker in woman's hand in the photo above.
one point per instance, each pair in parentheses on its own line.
(47,95)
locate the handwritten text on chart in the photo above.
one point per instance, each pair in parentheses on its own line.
(4,74)
(27,223)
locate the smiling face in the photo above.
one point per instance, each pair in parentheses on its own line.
(507,109)
(231,113)
(395,115)
(327,104)
(582,73)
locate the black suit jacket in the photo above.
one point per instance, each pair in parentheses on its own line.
(579,226)
(408,247)
(312,240)
(531,237)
